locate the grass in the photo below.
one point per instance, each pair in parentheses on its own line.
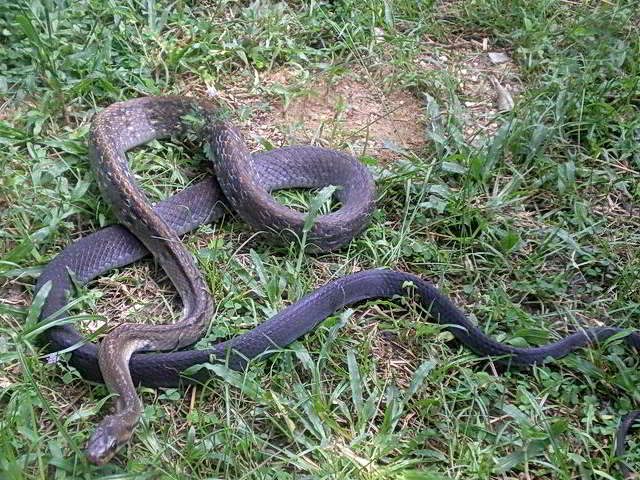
(528,219)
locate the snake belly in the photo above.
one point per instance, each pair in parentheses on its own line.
(246,181)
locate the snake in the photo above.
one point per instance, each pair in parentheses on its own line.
(243,182)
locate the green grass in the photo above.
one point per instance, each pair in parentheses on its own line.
(533,230)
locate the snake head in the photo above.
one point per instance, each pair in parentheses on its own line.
(106,440)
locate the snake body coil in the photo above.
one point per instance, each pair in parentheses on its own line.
(247,181)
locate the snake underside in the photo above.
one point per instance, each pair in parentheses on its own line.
(244,183)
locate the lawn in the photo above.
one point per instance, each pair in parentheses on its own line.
(504,138)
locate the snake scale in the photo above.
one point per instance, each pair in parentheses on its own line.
(243,182)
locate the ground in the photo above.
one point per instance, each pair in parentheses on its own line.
(503,137)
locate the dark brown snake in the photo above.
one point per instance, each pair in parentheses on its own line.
(246,181)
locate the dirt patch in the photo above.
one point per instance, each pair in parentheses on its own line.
(346,112)
(13,293)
